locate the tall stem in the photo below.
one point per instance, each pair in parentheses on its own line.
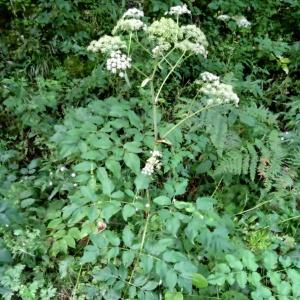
(188,117)
(154,111)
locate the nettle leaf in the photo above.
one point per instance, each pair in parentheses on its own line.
(162,200)
(132,161)
(199,281)
(107,184)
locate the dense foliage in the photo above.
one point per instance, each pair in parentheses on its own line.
(149,153)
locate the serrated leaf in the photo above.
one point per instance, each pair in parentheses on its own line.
(132,161)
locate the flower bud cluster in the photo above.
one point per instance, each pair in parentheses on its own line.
(152,163)
(217,92)
(118,63)
(107,44)
(160,49)
(178,10)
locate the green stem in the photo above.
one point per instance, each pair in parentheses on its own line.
(188,117)
(77,283)
(166,78)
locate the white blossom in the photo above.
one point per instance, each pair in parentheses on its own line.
(147,205)
(152,163)
(128,25)
(134,13)
(209,77)
(223,17)
(73,175)
(241,21)
(118,63)
(178,10)
(159,49)
(50,183)
(62,168)
(107,44)
(217,92)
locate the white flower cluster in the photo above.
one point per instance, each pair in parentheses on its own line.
(165,30)
(223,17)
(134,13)
(130,21)
(152,163)
(160,48)
(178,10)
(209,77)
(107,44)
(194,40)
(128,25)
(216,91)
(241,21)
(192,47)
(118,63)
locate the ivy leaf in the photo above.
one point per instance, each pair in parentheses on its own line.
(199,281)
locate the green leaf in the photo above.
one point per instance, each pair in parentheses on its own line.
(88,193)
(132,161)
(142,181)
(171,279)
(127,258)
(199,281)
(149,286)
(233,295)
(85,166)
(234,262)
(127,236)
(114,167)
(270,259)
(248,260)
(5,256)
(173,296)
(27,202)
(174,256)
(162,200)
(90,254)
(146,263)
(128,211)
(241,278)
(133,147)
(110,210)
(107,184)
